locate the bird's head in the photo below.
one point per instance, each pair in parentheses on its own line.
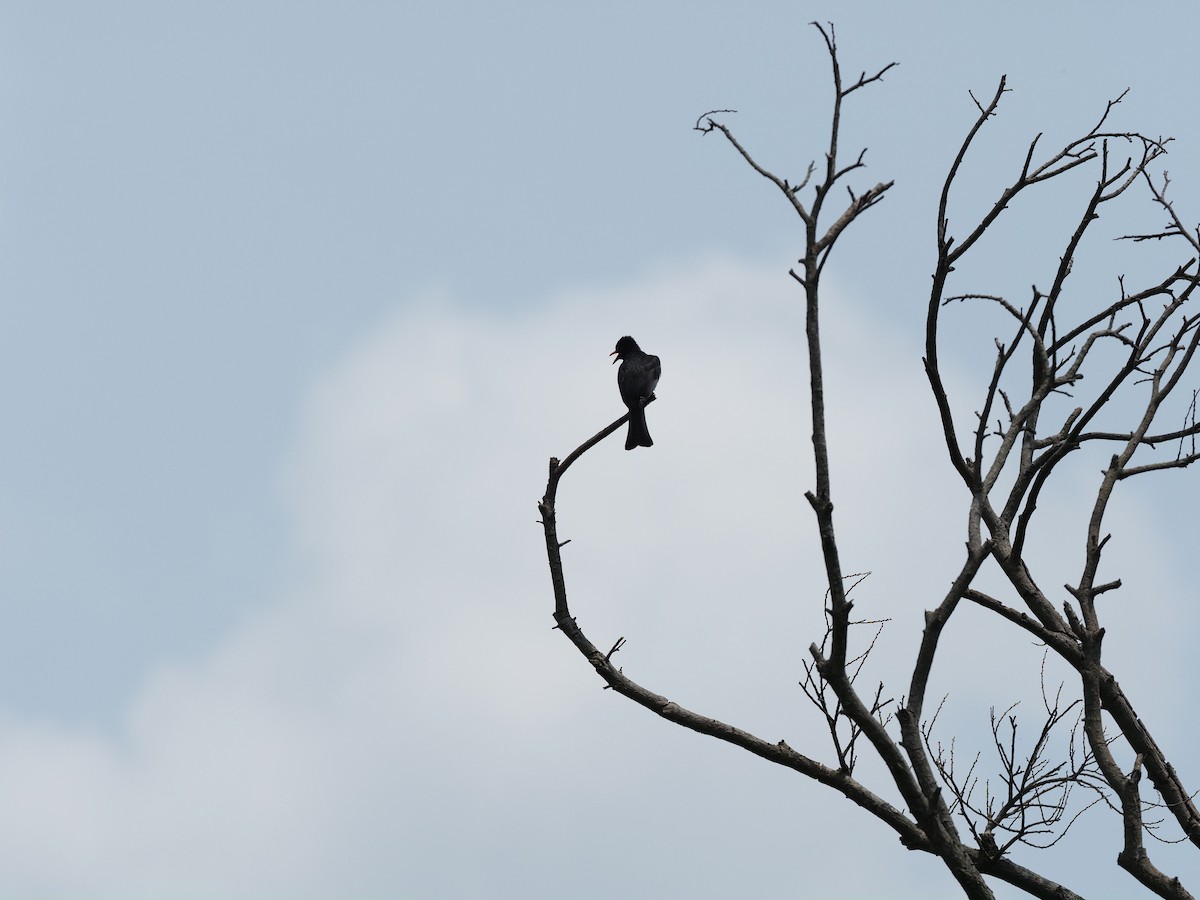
(625,346)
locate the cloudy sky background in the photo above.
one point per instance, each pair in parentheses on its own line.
(298,299)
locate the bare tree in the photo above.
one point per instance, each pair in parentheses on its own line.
(1036,409)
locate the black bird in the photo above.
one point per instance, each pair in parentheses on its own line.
(637,379)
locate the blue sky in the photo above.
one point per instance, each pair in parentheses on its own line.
(297,301)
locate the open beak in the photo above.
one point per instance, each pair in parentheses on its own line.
(614,353)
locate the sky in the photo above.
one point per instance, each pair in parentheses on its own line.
(297,301)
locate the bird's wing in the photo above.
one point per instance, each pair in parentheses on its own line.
(655,373)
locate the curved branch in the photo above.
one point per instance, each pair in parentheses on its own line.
(779,753)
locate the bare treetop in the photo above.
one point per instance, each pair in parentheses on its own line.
(1059,377)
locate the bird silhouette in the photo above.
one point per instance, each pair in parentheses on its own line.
(636,380)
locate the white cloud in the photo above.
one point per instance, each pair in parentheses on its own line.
(406,722)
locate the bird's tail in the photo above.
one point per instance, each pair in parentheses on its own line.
(639,434)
